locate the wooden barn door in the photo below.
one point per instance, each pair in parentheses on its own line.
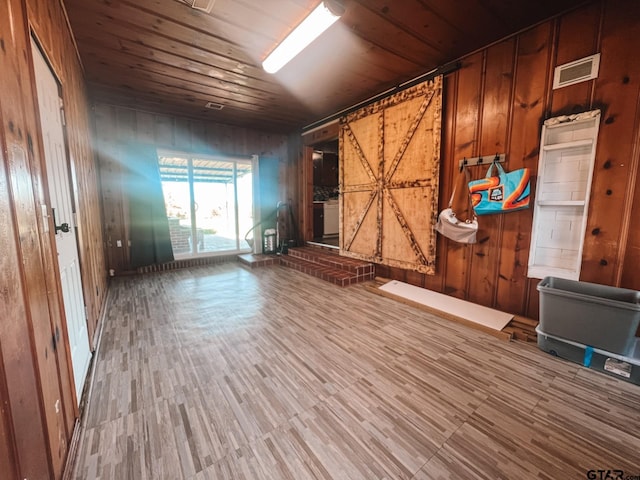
(389,170)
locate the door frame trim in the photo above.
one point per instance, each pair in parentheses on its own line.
(50,235)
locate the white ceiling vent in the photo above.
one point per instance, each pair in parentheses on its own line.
(575,72)
(214,106)
(204,5)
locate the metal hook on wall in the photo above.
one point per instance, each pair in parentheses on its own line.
(470,162)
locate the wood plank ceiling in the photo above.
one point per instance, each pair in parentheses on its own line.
(163,56)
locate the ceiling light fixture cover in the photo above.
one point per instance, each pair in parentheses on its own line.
(311,28)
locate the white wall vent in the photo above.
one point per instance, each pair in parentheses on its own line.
(204,5)
(575,72)
(214,106)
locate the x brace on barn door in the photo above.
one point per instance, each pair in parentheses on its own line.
(384,182)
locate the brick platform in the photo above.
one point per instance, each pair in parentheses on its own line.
(318,262)
(329,266)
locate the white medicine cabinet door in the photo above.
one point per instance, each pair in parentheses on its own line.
(565,169)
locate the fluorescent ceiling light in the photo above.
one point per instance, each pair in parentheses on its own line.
(311,27)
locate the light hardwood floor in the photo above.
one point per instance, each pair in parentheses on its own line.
(219,372)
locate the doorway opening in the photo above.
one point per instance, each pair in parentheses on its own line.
(62,209)
(326,190)
(209,202)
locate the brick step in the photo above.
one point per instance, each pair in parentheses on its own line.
(337,276)
(252,260)
(330,259)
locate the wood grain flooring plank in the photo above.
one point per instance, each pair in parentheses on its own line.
(219,372)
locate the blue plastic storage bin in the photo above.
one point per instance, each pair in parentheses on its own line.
(625,368)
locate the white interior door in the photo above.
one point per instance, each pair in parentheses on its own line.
(50,104)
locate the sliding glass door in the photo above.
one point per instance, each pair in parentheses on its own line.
(209,202)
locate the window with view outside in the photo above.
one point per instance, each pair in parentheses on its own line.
(209,202)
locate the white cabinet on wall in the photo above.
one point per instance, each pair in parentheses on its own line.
(565,168)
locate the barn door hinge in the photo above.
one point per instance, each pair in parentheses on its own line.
(86,313)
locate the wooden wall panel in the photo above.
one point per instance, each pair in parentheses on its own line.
(85,181)
(198,132)
(612,186)
(32,331)
(116,125)
(8,458)
(528,105)
(465,144)
(163,130)
(493,134)
(295,184)
(497,102)
(577,37)
(20,389)
(110,188)
(447,152)
(38,398)
(181,135)
(145,127)
(629,274)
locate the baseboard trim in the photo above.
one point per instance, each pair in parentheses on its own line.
(72,452)
(189,262)
(76,437)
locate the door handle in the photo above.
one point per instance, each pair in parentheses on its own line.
(59,228)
